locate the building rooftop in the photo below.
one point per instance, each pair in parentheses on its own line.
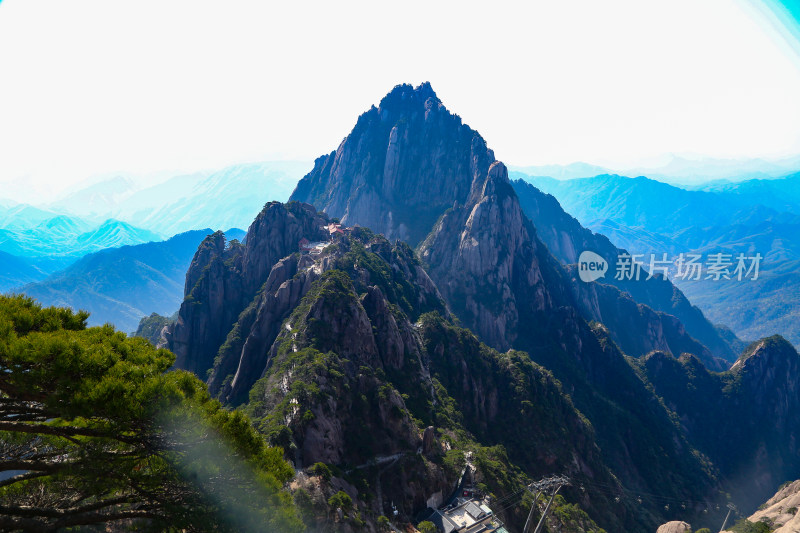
(466,516)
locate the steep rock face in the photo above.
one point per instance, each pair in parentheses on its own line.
(566,239)
(761,388)
(489,265)
(501,281)
(224,277)
(276,233)
(496,275)
(781,510)
(244,353)
(768,378)
(394,340)
(214,293)
(332,320)
(404,163)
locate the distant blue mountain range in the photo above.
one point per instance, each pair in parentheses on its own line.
(122,285)
(646,216)
(225,198)
(65,236)
(36,241)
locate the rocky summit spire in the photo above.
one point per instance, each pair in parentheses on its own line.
(402,166)
(489,264)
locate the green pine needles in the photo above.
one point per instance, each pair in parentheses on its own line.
(94,429)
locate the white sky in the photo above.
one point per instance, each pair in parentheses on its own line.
(97,86)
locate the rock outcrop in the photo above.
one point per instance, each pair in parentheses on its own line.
(675,527)
(402,166)
(214,295)
(224,277)
(489,265)
(780,511)
(244,355)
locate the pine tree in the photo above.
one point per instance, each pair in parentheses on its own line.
(95,428)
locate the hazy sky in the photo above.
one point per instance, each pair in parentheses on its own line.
(98,86)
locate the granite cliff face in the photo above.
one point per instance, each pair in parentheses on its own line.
(257,332)
(780,511)
(214,292)
(404,163)
(224,276)
(489,265)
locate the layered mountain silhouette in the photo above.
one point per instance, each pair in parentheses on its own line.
(70,237)
(566,238)
(439,320)
(17,271)
(645,216)
(229,197)
(122,285)
(440,164)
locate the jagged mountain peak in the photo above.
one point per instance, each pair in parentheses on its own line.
(769,367)
(224,277)
(489,264)
(770,351)
(403,95)
(496,184)
(402,166)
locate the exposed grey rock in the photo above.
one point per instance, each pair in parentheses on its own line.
(224,278)
(675,527)
(402,166)
(487,262)
(428,437)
